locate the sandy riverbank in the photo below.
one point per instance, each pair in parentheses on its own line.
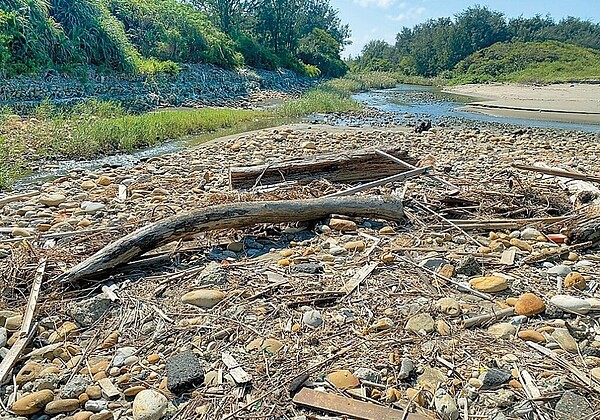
(578,103)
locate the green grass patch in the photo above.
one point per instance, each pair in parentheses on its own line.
(529,62)
(130,132)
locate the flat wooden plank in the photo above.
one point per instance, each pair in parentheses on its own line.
(336,404)
(358,278)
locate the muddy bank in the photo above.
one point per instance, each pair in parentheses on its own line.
(194,86)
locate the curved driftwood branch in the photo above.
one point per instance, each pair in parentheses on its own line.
(228,216)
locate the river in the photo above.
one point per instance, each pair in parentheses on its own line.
(424,102)
(405,104)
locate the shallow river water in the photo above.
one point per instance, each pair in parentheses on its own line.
(424,102)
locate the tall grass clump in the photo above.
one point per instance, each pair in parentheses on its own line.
(129,132)
(322,99)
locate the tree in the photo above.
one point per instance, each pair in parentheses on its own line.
(322,50)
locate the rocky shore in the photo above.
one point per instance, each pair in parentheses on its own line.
(195,86)
(231,324)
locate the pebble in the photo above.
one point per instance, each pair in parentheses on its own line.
(530,234)
(342,225)
(489,284)
(149,405)
(32,403)
(421,323)
(62,406)
(75,387)
(445,405)
(532,335)
(572,406)
(431,378)
(121,356)
(103,415)
(571,304)
(565,340)
(494,378)
(448,306)
(52,200)
(502,330)
(343,379)
(367,374)
(82,415)
(406,368)
(560,270)
(3,336)
(575,280)
(312,318)
(94,392)
(529,304)
(203,298)
(355,246)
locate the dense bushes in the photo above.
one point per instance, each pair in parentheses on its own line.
(148,36)
(548,61)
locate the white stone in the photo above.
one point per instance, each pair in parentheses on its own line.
(149,405)
(571,304)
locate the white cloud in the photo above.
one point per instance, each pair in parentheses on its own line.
(377,3)
(407,14)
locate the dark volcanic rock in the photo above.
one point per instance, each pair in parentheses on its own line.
(184,372)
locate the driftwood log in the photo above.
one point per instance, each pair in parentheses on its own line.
(349,167)
(586,229)
(228,216)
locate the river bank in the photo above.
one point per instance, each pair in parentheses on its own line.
(576,103)
(411,347)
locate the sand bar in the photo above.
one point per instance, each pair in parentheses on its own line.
(578,103)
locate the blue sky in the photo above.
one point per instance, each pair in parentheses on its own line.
(383,19)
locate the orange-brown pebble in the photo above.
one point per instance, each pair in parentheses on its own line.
(153,358)
(575,280)
(83,398)
(529,304)
(513,383)
(284,262)
(133,391)
(531,335)
(82,415)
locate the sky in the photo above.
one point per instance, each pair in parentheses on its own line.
(383,19)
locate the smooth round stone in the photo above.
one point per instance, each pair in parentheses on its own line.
(571,304)
(502,330)
(32,403)
(531,335)
(51,200)
(565,340)
(575,280)
(62,406)
(149,405)
(343,379)
(529,304)
(312,318)
(489,284)
(204,298)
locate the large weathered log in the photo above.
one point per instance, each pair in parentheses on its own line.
(348,167)
(228,216)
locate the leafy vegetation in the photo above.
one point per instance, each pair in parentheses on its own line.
(150,36)
(528,62)
(99,128)
(434,48)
